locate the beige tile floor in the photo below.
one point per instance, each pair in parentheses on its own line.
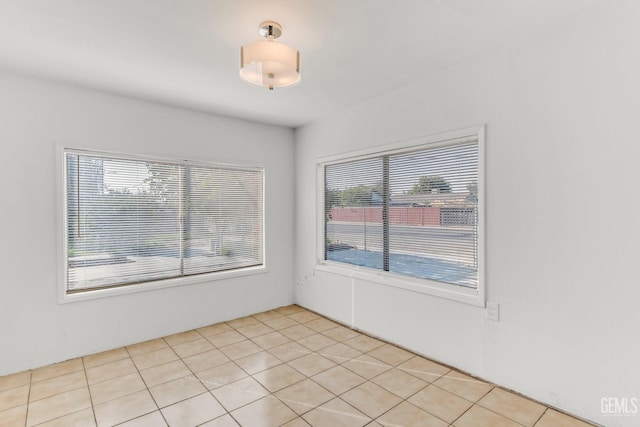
(285,367)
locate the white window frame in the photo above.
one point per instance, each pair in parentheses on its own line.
(91,294)
(425,286)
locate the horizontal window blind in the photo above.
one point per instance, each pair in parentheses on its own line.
(131,221)
(412,213)
(353,216)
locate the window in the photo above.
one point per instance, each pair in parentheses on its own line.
(410,211)
(130,220)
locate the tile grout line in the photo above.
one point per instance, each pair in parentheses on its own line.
(67,391)
(252,375)
(317,352)
(305,317)
(86,379)
(26,415)
(195,375)
(145,384)
(273,394)
(407,399)
(382,363)
(546,408)
(499,414)
(541,415)
(451,368)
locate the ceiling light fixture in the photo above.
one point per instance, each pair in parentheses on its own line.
(269,63)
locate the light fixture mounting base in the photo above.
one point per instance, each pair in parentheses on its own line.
(270,30)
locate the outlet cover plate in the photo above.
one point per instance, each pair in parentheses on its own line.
(493,311)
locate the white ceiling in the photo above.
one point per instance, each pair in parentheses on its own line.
(186,52)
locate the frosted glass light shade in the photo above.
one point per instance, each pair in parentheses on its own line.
(270,64)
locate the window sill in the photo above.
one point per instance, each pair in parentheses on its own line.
(423,286)
(92,294)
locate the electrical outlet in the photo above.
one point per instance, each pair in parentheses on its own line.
(493,311)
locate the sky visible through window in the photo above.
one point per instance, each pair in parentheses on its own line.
(125,176)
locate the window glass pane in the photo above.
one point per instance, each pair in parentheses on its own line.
(433,214)
(122,221)
(353,213)
(133,221)
(224,227)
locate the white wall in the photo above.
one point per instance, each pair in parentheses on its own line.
(34,116)
(563,146)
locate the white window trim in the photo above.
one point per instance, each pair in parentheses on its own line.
(430,287)
(61,195)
